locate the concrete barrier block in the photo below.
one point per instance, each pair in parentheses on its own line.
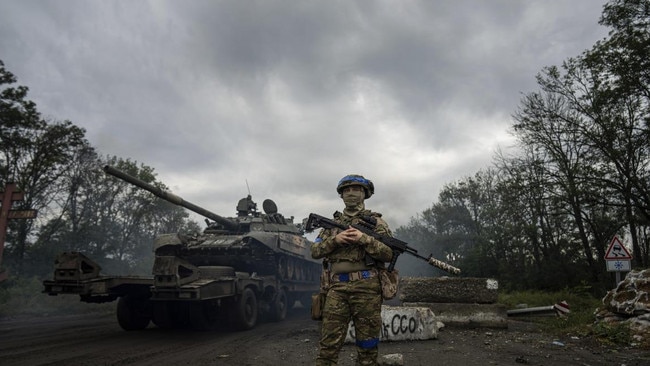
(469,290)
(402,323)
(467,315)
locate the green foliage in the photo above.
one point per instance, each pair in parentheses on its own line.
(612,334)
(578,298)
(35,154)
(580,322)
(111,221)
(581,304)
(80,207)
(542,217)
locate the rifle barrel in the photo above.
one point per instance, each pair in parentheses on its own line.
(397,246)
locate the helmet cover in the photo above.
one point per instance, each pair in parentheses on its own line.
(356,180)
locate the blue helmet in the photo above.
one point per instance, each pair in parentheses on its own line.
(356,180)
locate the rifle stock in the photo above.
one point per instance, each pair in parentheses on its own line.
(397,246)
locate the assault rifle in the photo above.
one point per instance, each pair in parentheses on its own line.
(367,226)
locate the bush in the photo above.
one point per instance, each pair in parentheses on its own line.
(613,334)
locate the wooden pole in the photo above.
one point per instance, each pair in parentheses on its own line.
(7,198)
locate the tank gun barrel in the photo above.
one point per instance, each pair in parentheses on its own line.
(170,197)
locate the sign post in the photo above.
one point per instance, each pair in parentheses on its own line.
(618,258)
(8,196)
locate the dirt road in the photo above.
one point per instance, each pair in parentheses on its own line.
(98,340)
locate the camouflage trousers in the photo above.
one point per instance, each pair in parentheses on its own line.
(359,301)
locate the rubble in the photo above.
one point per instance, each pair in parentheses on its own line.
(629,304)
(393,359)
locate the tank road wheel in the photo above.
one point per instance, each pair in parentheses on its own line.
(204,315)
(133,313)
(245,316)
(280,306)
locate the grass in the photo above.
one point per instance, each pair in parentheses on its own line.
(580,322)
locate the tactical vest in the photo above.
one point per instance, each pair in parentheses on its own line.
(350,253)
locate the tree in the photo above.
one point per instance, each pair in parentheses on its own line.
(546,121)
(621,68)
(544,216)
(35,154)
(112,221)
(80,207)
(624,55)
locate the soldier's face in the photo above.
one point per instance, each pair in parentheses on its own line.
(353,195)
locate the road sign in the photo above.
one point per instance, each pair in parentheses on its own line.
(617,251)
(22,214)
(617,265)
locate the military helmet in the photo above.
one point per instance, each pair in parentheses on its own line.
(356,180)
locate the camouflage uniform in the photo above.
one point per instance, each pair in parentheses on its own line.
(351,298)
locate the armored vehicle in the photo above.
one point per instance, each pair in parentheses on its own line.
(236,270)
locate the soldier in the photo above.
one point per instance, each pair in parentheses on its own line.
(354,292)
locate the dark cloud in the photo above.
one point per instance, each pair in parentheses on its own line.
(290,96)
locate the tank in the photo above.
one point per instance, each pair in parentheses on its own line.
(251,244)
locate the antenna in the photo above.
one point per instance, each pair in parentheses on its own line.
(247,187)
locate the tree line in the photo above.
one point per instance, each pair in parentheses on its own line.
(544,215)
(80,208)
(539,217)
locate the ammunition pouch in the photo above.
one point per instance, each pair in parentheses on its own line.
(317,305)
(318,299)
(389,283)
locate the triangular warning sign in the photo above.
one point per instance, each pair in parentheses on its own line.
(617,250)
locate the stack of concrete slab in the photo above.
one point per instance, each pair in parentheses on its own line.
(456,301)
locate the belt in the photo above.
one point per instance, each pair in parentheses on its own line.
(354,276)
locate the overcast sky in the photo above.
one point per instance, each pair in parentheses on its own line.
(290,96)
